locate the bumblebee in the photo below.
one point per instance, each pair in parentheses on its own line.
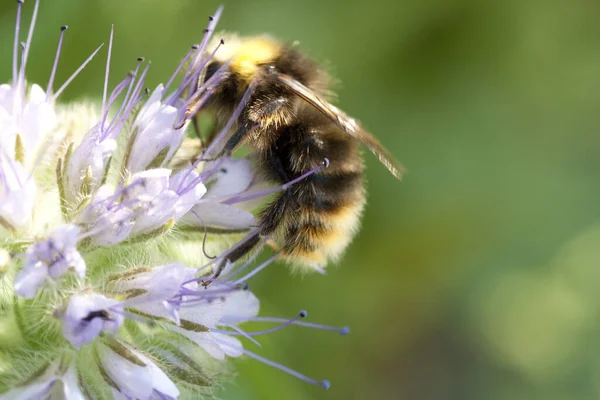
(279,99)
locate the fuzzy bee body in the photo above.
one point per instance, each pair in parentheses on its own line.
(292,129)
(315,219)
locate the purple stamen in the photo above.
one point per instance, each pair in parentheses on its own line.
(20,87)
(131,82)
(255,254)
(110,43)
(28,44)
(81,67)
(211,55)
(16,43)
(257,269)
(241,198)
(112,98)
(201,177)
(204,299)
(207,87)
(192,81)
(200,295)
(56,58)
(181,64)
(197,64)
(233,119)
(129,102)
(239,331)
(342,331)
(325,384)
(301,314)
(135,96)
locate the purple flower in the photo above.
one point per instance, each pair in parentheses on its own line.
(51,258)
(87,315)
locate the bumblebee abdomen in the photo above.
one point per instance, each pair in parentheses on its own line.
(319,235)
(316,219)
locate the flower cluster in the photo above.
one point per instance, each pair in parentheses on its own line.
(106,288)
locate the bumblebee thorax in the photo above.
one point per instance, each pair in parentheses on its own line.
(248,55)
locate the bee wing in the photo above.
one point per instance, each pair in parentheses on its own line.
(346,123)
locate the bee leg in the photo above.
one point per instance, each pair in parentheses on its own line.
(277,109)
(235,255)
(232,143)
(238,136)
(197,130)
(271,216)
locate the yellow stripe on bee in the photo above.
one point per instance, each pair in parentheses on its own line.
(303,259)
(253,52)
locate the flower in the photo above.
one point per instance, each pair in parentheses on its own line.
(134,375)
(154,139)
(87,315)
(47,383)
(17,193)
(50,258)
(92,213)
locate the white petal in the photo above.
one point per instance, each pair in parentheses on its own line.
(164,279)
(71,385)
(29,279)
(133,380)
(155,132)
(151,305)
(6,97)
(206,340)
(37,95)
(207,314)
(118,395)
(234,176)
(93,154)
(230,345)
(37,389)
(33,391)
(65,236)
(37,121)
(160,381)
(17,192)
(240,306)
(220,216)
(189,196)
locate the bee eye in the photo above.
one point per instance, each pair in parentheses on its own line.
(211,69)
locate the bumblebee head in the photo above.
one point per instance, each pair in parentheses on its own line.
(246,55)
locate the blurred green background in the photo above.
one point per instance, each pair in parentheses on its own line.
(477,276)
